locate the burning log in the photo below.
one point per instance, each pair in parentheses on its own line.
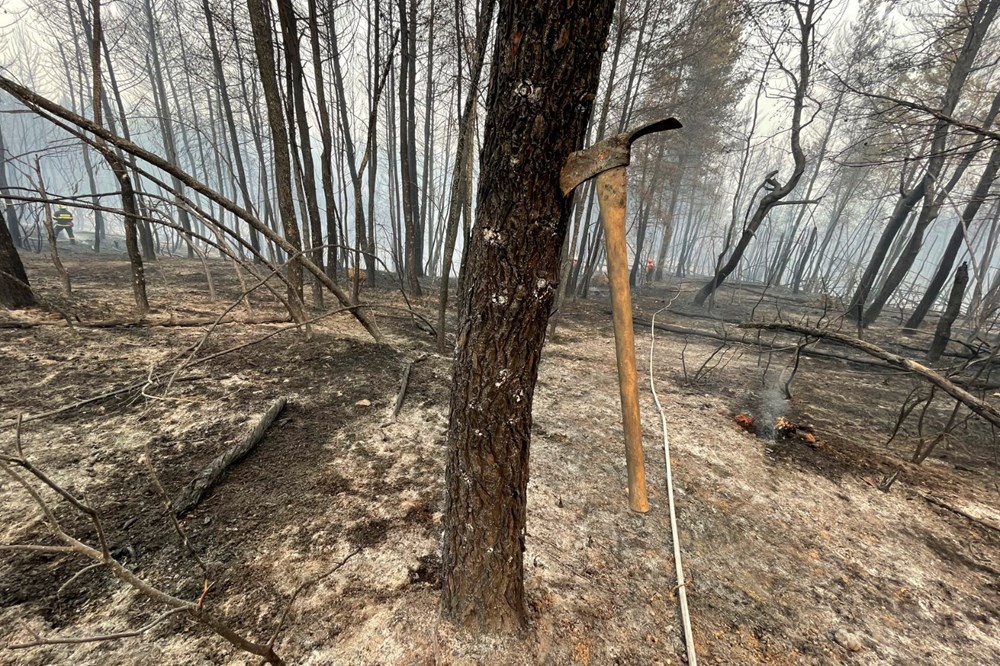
(782,428)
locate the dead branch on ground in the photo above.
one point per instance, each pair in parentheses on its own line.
(215,470)
(146,322)
(104,558)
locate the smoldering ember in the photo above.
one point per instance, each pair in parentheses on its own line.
(567,332)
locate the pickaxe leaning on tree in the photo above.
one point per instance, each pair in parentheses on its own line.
(606,161)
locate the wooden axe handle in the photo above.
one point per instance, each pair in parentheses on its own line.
(612,195)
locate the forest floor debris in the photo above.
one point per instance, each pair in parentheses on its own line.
(794,557)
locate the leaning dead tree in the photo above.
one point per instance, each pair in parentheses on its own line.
(806,14)
(63,116)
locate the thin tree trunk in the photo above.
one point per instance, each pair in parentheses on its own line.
(15,292)
(117,164)
(264,47)
(943,333)
(800,269)
(981,20)
(466,137)
(991,242)
(227,106)
(806,25)
(326,137)
(406,167)
(669,220)
(427,175)
(986,180)
(10,216)
(373,148)
(166,119)
(50,230)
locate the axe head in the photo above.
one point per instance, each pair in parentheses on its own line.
(612,152)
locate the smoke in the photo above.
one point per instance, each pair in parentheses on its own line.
(770,405)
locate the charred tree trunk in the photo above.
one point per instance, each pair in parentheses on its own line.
(466,136)
(668,221)
(512,274)
(943,332)
(806,17)
(374,37)
(299,119)
(14,290)
(264,47)
(227,106)
(427,181)
(955,242)
(117,164)
(10,216)
(326,137)
(407,167)
(980,21)
(800,269)
(166,119)
(360,236)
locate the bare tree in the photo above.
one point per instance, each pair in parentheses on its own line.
(806,14)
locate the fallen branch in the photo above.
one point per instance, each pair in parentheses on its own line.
(144,323)
(403,384)
(76,640)
(120,572)
(965,514)
(216,469)
(402,390)
(87,401)
(712,335)
(980,407)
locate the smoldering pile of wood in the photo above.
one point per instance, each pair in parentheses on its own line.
(781,429)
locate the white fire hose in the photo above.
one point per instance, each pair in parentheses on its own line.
(681,588)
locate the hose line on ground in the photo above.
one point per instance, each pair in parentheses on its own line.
(692,658)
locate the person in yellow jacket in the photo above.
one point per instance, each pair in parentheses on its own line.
(63,220)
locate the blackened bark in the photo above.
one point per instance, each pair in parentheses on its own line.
(668,222)
(298,119)
(806,16)
(981,19)
(13,228)
(264,47)
(943,332)
(407,169)
(326,137)
(950,253)
(117,164)
(234,140)
(800,269)
(166,119)
(14,290)
(547,61)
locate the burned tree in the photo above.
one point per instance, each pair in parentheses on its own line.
(14,289)
(547,60)
(806,15)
